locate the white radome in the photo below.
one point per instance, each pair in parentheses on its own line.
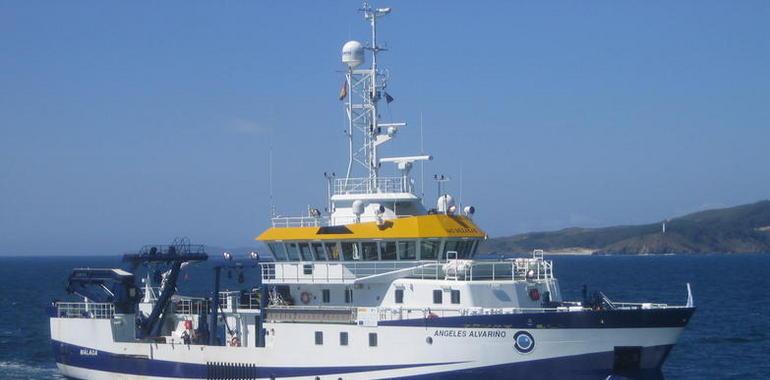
(353,54)
(358,207)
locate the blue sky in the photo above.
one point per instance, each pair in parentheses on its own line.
(128,123)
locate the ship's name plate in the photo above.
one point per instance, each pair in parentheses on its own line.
(459,333)
(88,352)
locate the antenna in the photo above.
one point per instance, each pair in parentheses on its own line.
(422,164)
(329,181)
(444,200)
(440,178)
(270,175)
(460,200)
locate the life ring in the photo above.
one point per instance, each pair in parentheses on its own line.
(235,342)
(305,298)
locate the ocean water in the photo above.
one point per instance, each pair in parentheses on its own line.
(728,338)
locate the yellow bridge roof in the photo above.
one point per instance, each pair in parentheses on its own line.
(413,227)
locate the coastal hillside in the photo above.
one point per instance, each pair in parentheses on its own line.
(740,229)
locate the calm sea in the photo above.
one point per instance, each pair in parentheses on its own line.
(726,339)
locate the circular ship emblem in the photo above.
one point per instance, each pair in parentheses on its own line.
(524,342)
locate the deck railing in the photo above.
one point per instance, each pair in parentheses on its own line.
(363,315)
(88,310)
(459,270)
(228,300)
(300,221)
(191,305)
(342,186)
(299,272)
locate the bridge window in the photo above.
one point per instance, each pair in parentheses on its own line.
(388,250)
(319,338)
(399,295)
(293,251)
(348,295)
(438,296)
(466,248)
(318,251)
(332,251)
(429,249)
(348,251)
(455,296)
(326,295)
(278,250)
(474,248)
(407,250)
(343,338)
(451,246)
(370,251)
(307,255)
(462,247)
(372,339)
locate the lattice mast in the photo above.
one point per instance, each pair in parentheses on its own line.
(365,88)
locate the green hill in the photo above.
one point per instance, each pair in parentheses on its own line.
(739,229)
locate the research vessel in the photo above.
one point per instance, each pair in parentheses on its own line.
(376,286)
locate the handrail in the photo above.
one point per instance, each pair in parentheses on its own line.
(342,186)
(300,221)
(459,270)
(85,310)
(290,313)
(333,271)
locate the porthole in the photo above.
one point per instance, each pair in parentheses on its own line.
(429,340)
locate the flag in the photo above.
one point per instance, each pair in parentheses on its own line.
(388,98)
(344,90)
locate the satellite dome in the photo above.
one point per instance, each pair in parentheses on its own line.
(353,54)
(358,207)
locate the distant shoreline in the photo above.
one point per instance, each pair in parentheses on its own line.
(734,230)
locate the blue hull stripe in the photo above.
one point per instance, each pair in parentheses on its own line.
(641,318)
(587,366)
(105,361)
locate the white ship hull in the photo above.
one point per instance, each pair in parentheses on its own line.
(85,350)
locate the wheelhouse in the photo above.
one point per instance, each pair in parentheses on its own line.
(417,238)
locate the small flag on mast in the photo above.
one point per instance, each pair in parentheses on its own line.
(344,90)
(388,98)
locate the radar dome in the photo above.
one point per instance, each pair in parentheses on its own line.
(353,54)
(358,207)
(445,203)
